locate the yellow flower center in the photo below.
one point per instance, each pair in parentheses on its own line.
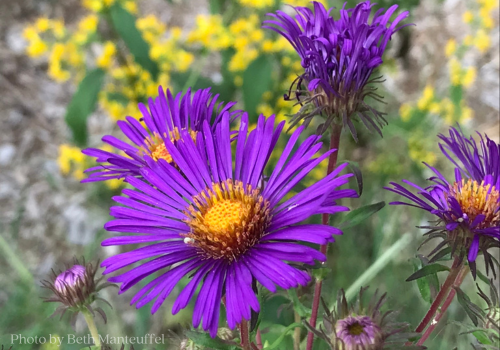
(156,146)
(227,220)
(478,199)
(225,214)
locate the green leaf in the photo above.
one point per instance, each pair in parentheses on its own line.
(83,104)
(302,310)
(427,270)
(205,340)
(257,79)
(482,337)
(356,216)
(423,286)
(124,23)
(285,332)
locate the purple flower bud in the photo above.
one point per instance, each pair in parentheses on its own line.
(69,277)
(357,330)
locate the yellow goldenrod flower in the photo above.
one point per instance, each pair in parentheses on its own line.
(42,24)
(58,28)
(92,5)
(88,23)
(467,17)
(267,46)
(482,41)
(131,6)
(36,48)
(405,112)
(450,48)
(259,4)
(70,157)
(435,108)
(105,60)
(469,77)
(455,71)
(466,114)
(427,97)
(30,33)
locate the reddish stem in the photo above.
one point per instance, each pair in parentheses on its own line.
(245,336)
(443,292)
(258,339)
(332,162)
(458,281)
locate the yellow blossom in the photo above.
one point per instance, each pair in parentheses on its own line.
(469,77)
(427,97)
(265,109)
(467,114)
(36,48)
(435,108)
(130,6)
(267,45)
(105,60)
(257,3)
(467,17)
(482,41)
(405,112)
(455,71)
(30,33)
(58,28)
(450,48)
(88,24)
(42,24)
(70,157)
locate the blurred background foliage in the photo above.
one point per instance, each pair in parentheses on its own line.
(113,54)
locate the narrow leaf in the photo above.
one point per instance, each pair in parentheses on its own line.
(357,216)
(427,270)
(83,104)
(124,23)
(257,79)
(285,332)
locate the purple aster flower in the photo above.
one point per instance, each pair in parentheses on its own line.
(467,209)
(76,289)
(212,217)
(338,57)
(360,327)
(166,117)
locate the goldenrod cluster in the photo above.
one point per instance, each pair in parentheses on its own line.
(72,162)
(417,145)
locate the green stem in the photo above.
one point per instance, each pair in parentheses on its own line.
(13,258)
(92,327)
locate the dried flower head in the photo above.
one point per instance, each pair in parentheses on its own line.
(212,218)
(468,209)
(356,327)
(338,56)
(76,289)
(165,119)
